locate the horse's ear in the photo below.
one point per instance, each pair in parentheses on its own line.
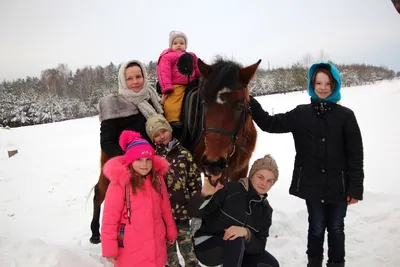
(247,73)
(205,69)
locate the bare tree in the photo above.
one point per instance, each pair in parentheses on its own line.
(307,60)
(64,74)
(50,79)
(322,56)
(84,83)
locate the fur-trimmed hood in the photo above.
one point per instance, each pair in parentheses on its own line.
(126,102)
(116,169)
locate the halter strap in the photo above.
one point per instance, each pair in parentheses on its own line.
(128,203)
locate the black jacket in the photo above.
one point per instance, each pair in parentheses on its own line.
(329,149)
(235,205)
(111,129)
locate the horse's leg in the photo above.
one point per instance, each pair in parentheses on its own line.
(95,224)
(99,195)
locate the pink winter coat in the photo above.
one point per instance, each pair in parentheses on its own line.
(167,70)
(143,242)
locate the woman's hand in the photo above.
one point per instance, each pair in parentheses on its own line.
(234,232)
(208,189)
(113,260)
(171,242)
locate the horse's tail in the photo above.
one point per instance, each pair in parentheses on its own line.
(87,198)
(103,160)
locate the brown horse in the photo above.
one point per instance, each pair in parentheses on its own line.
(228,133)
(396,4)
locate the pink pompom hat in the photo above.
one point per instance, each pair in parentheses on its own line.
(135,147)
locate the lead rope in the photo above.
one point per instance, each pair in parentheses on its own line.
(128,203)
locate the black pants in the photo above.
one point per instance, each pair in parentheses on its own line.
(231,253)
(328,216)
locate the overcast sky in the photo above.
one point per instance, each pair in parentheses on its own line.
(40,34)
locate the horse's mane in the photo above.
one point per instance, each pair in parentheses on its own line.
(224,75)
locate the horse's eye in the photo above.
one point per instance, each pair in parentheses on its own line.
(240,107)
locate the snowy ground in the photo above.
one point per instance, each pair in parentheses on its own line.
(45,212)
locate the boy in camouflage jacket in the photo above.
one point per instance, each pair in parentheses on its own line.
(183,181)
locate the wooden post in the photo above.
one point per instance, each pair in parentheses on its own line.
(11,148)
(12,153)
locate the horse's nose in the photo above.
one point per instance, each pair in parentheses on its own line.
(213,167)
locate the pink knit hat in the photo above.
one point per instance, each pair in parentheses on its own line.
(135,146)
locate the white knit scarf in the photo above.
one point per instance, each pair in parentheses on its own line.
(140,99)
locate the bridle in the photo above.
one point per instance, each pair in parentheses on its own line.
(240,127)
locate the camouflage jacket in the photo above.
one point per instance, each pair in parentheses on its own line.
(183,179)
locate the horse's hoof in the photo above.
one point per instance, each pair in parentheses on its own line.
(95,240)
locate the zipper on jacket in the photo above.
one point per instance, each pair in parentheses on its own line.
(247,219)
(298,180)
(343,183)
(236,220)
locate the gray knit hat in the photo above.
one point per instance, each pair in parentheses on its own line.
(175,34)
(156,122)
(265,163)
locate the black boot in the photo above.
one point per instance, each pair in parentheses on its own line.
(330,264)
(314,262)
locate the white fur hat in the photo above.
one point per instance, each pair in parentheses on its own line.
(175,34)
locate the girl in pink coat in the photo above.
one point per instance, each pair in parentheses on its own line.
(176,68)
(137,220)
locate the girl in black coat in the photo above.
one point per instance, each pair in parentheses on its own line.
(235,219)
(328,170)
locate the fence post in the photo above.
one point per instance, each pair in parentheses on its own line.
(12,153)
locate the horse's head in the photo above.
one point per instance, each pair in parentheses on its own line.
(225,99)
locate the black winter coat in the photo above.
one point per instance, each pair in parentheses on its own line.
(236,205)
(329,149)
(111,129)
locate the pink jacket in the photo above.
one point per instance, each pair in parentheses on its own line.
(167,70)
(142,242)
